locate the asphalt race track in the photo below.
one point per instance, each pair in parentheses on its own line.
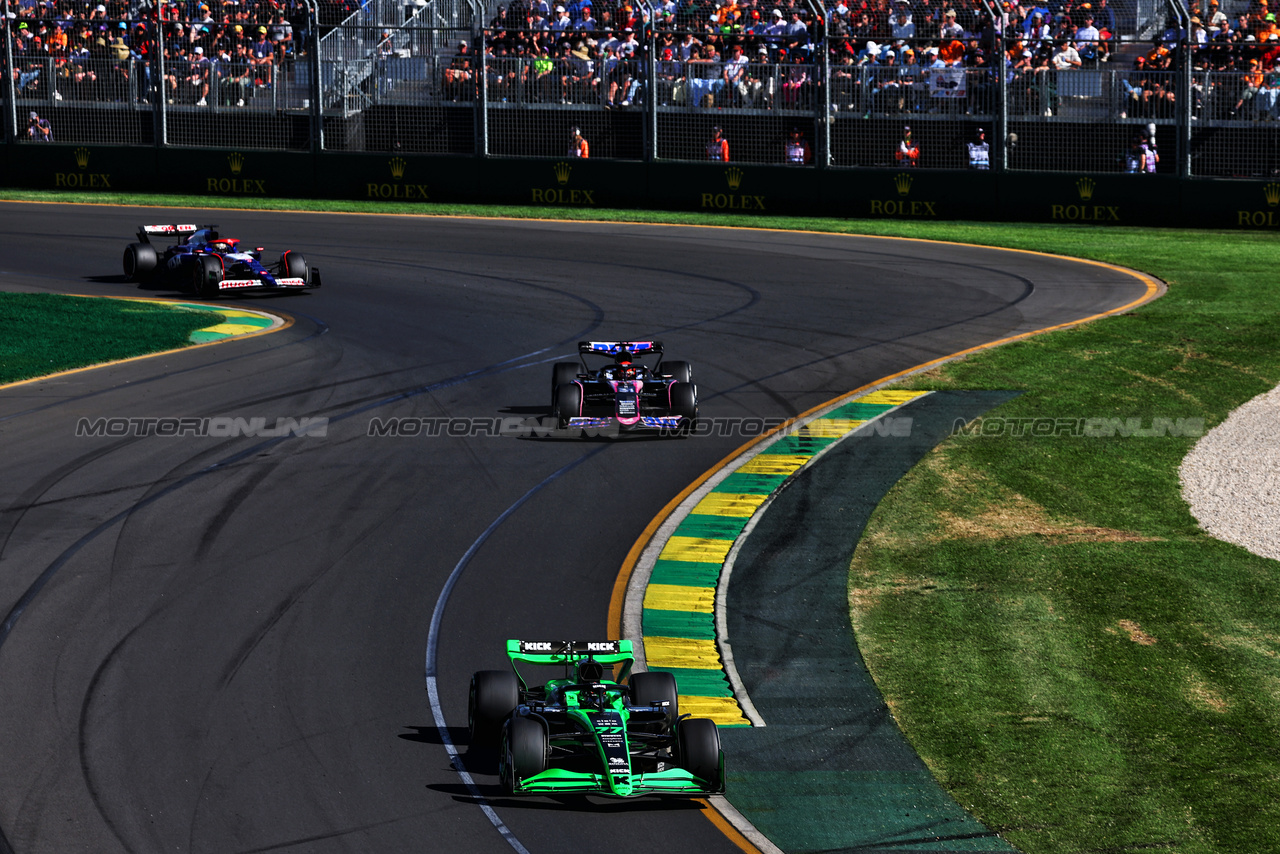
(217,644)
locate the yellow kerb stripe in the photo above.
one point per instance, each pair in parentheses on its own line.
(774,464)
(892,398)
(677,597)
(723,710)
(697,549)
(831,428)
(229,328)
(681,652)
(227,312)
(729,504)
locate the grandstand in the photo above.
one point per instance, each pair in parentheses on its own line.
(1062,86)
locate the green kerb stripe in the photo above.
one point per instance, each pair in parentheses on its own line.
(698,625)
(686,572)
(751,484)
(862,411)
(700,683)
(711,527)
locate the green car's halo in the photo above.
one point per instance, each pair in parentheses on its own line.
(598,729)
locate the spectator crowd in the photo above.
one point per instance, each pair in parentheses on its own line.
(109,51)
(884,56)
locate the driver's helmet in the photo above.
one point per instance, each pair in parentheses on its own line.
(625,370)
(221,246)
(590,671)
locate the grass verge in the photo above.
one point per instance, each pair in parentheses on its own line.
(1078,664)
(45,333)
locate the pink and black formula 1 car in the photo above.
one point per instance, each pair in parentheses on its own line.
(624,394)
(208,264)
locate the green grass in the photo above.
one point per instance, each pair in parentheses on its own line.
(45,333)
(1079,664)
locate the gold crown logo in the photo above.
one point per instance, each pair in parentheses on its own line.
(1085,186)
(397,167)
(562,172)
(734,176)
(237,162)
(82,158)
(903,182)
(1272,192)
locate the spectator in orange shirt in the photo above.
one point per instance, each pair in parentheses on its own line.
(908,153)
(1252,80)
(718,147)
(577,145)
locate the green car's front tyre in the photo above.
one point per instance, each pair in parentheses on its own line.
(493,697)
(525,752)
(698,742)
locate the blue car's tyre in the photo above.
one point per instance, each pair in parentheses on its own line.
(568,403)
(681,372)
(698,743)
(206,274)
(561,373)
(524,751)
(684,402)
(494,696)
(294,266)
(139,261)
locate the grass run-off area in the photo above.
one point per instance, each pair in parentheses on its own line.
(1078,663)
(45,333)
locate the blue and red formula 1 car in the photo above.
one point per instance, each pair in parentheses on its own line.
(208,264)
(589,730)
(624,394)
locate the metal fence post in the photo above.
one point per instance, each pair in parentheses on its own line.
(482,120)
(11,92)
(159,93)
(823,125)
(1000,150)
(651,93)
(1183,92)
(317,113)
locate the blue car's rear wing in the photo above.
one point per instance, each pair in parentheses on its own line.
(145,232)
(613,348)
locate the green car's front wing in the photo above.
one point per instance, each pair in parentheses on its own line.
(671,781)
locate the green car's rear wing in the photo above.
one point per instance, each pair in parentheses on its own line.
(569,652)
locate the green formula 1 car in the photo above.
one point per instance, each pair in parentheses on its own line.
(586,732)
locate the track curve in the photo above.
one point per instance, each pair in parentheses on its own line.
(225,653)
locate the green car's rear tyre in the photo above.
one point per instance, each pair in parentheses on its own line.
(524,752)
(653,688)
(699,748)
(494,696)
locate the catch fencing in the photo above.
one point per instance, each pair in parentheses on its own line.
(454,77)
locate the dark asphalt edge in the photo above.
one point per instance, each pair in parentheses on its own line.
(798,658)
